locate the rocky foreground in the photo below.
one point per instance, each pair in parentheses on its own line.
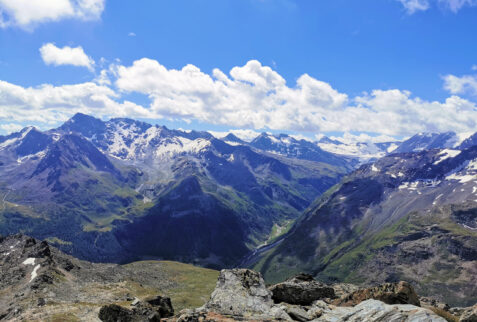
(39,283)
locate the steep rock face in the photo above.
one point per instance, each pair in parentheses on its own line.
(405,217)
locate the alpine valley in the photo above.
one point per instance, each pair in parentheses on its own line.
(125,190)
(122,191)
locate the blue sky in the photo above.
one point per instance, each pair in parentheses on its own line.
(381,67)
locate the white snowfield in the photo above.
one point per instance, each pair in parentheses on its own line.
(141,145)
(446,154)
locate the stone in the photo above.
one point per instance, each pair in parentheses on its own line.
(301,290)
(377,311)
(342,289)
(389,293)
(115,313)
(242,293)
(298,314)
(469,314)
(162,304)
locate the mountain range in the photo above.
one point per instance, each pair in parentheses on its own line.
(124,190)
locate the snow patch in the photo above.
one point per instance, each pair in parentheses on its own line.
(462,178)
(29,261)
(34,273)
(446,154)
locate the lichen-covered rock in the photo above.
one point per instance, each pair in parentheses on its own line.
(377,311)
(242,292)
(342,289)
(390,293)
(301,290)
(162,304)
(469,315)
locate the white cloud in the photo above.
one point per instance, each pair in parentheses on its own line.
(252,96)
(255,96)
(131,34)
(53,55)
(48,104)
(466,84)
(29,13)
(10,127)
(456,5)
(413,6)
(474,67)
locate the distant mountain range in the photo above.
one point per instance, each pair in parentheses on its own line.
(355,152)
(123,190)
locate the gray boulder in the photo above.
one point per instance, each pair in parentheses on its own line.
(377,311)
(242,293)
(301,290)
(152,309)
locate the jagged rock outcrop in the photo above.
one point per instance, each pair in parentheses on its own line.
(302,290)
(469,315)
(389,293)
(152,309)
(242,292)
(241,295)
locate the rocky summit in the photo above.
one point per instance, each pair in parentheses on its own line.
(40,283)
(241,295)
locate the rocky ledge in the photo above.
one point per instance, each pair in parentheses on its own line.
(241,295)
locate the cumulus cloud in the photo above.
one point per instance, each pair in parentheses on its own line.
(29,13)
(48,104)
(413,6)
(76,56)
(466,84)
(252,96)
